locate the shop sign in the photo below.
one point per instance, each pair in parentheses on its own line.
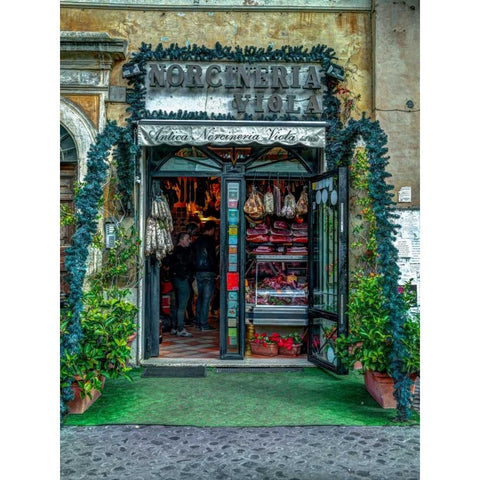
(198,134)
(237,89)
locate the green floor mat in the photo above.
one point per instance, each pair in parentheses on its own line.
(310,397)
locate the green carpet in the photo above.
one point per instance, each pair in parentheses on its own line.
(311,397)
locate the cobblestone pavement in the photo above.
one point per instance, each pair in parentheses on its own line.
(135,452)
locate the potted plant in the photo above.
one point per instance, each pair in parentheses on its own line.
(262,344)
(290,344)
(370,341)
(107,321)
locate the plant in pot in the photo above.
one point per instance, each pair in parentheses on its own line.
(263,344)
(108,323)
(370,341)
(290,344)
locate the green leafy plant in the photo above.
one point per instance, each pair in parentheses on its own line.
(289,340)
(107,319)
(370,339)
(264,339)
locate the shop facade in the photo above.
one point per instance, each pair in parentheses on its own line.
(217,127)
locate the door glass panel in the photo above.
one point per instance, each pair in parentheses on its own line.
(323,335)
(325,244)
(186,159)
(278,160)
(178,164)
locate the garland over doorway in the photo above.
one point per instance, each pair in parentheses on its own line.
(341,141)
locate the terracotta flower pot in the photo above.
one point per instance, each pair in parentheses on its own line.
(270,350)
(380,387)
(293,352)
(78,404)
(131,338)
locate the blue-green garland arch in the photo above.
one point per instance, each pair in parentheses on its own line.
(339,151)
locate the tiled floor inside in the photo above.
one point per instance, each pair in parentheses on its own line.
(201,345)
(204,345)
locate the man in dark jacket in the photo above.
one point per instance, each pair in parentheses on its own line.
(182,271)
(206,273)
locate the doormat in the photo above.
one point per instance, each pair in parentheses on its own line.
(258,369)
(175,372)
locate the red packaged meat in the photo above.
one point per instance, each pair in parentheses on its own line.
(280,239)
(299,226)
(257,238)
(297,250)
(263,249)
(257,231)
(280,224)
(280,231)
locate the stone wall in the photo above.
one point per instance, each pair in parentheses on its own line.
(348,33)
(396,84)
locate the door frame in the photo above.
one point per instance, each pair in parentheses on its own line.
(340,317)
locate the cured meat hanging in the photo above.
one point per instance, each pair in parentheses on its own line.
(288,210)
(302,204)
(159,225)
(254,207)
(280,223)
(268,202)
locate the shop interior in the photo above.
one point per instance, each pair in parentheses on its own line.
(276,270)
(192,202)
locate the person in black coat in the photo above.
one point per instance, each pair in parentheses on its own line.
(182,272)
(206,273)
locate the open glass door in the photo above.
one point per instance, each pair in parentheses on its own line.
(328,267)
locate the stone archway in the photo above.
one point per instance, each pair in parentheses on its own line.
(81,129)
(83,133)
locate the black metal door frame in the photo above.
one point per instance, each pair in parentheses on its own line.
(319,344)
(232,175)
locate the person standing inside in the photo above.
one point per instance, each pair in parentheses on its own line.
(182,271)
(192,230)
(206,273)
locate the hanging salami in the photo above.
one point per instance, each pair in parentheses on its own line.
(158,239)
(254,207)
(277,200)
(268,202)
(289,205)
(302,204)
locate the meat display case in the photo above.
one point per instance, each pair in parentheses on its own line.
(277,289)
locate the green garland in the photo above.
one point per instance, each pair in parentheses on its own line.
(87,202)
(339,151)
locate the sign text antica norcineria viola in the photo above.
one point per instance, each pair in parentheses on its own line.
(251,87)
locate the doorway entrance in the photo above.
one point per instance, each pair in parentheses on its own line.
(285,251)
(255,251)
(194,203)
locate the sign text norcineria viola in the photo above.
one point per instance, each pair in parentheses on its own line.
(234,88)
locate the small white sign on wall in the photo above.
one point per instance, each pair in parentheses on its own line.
(405,194)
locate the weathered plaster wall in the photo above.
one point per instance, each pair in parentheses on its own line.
(349,34)
(89,104)
(397,70)
(385,73)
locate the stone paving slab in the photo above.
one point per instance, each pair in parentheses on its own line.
(137,452)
